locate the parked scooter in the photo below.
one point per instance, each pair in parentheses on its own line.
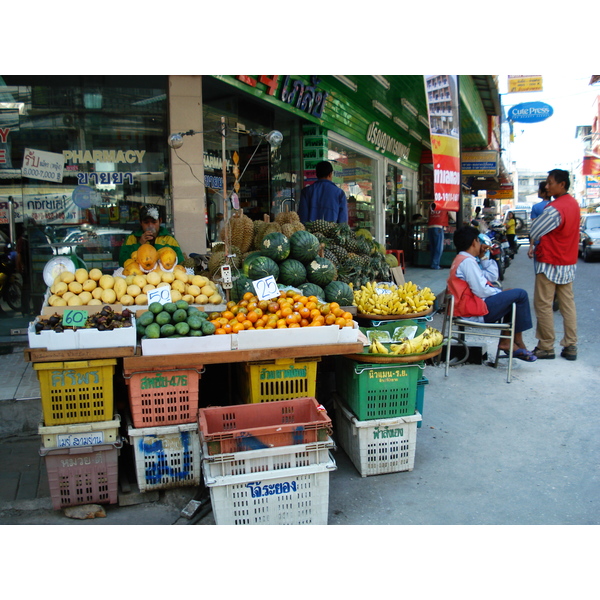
(496,253)
(10,284)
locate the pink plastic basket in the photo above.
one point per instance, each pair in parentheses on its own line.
(83,475)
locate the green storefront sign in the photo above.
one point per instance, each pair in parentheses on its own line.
(390,119)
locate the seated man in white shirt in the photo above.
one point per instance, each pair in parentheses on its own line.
(475,298)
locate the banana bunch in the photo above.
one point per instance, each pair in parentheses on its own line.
(377,347)
(389,299)
(421,344)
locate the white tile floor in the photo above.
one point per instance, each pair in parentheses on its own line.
(18,379)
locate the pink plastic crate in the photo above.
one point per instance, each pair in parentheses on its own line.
(83,475)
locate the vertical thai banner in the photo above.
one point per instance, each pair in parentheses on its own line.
(444,126)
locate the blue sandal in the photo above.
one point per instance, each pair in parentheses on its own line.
(523,354)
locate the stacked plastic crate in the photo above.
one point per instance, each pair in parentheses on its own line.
(376,416)
(163,429)
(268,463)
(79,432)
(314,150)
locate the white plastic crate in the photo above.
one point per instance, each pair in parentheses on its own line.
(80,434)
(264,460)
(166,457)
(295,496)
(377,446)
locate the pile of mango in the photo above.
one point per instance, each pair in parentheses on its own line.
(93,288)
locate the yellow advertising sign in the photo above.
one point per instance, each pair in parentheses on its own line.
(525,83)
(507,194)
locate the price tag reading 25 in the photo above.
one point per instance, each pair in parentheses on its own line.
(266,288)
(74,318)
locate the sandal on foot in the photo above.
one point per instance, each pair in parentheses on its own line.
(523,354)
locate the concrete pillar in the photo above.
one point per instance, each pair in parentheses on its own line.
(187,185)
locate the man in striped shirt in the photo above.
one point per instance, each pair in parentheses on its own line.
(554,247)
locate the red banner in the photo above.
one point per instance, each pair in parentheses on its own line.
(444,127)
(591,166)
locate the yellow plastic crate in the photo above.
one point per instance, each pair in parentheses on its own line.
(279,379)
(76,391)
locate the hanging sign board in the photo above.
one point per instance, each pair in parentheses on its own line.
(530,112)
(524,83)
(47,166)
(480,163)
(444,125)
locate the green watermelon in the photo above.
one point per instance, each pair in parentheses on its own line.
(248,260)
(276,246)
(262,266)
(340,292)
(241,285)
(311,289)
(292,272)
(303,246)
(320,271)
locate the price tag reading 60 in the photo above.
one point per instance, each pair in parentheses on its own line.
(74,318)
(266,288)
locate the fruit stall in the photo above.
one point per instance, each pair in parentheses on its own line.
(124,361)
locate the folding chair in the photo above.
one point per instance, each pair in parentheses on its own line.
(455,328)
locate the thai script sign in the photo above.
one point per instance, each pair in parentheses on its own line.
(257,489)
(59,378)
(157,380)
(47,166)
(386,432)
(480,163)
(444,126)
(75,440)
(524,83)
(288,373)
(386,143)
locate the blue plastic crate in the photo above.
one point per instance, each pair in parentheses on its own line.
(421,383)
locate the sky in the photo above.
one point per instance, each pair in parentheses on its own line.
(551,143)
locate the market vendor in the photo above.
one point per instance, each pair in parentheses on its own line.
(151,232)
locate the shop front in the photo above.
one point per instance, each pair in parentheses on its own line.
(79,156)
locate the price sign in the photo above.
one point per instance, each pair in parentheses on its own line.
(266,288)
(74,318)
(161,294)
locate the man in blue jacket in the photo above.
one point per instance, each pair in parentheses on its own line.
(323,199)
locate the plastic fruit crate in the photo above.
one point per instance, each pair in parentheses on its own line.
(166,457)
(421,397)
(80,434)
(295,496)
(378,391)
(86,475)
(269,459)
(280,379)
(76,391)
(377,446)
(243,427)
(159,398)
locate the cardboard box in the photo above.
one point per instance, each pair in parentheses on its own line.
(81,338)
(187,345)
(286,338)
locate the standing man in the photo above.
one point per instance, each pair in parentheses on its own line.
(438,221)
(323,199)
(536,209)
(554,247)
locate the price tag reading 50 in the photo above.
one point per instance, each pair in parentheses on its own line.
(266,288)
(74,318)
(161,295)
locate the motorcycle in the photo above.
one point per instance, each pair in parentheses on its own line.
(497,234)
(10,284)
(497,253)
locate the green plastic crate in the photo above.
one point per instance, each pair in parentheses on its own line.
(421,395)
(378,391)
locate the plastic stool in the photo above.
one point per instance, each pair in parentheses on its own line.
(399,254)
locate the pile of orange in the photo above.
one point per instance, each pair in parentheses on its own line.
(290,309)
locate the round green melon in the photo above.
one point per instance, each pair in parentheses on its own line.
(320,271)
(248,260)
(340,292)
(241,285)
(276,246)
(292,272)
(311,289)
(262,266)
(303,246)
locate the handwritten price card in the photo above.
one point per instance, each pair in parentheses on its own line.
(161,295)
(266,288)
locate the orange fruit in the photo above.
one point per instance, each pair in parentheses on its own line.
(333,305)
(281,323)
(248,296)
(304,312)
(273,307)
(227,314)
(216,323)
(313,299)
(248,325)
(237,327)
(311,304)
(349,323)
(315,312)
(340,322)
(263,305)
(297,306)
(289,319)
(316,324)
(325,309)
(252,317)
(286,310)
(294,325)
(338,312)
(347,316)
(330,319)
(230,304)
(227,328)
(304,322)
(220,331)
(320,319)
